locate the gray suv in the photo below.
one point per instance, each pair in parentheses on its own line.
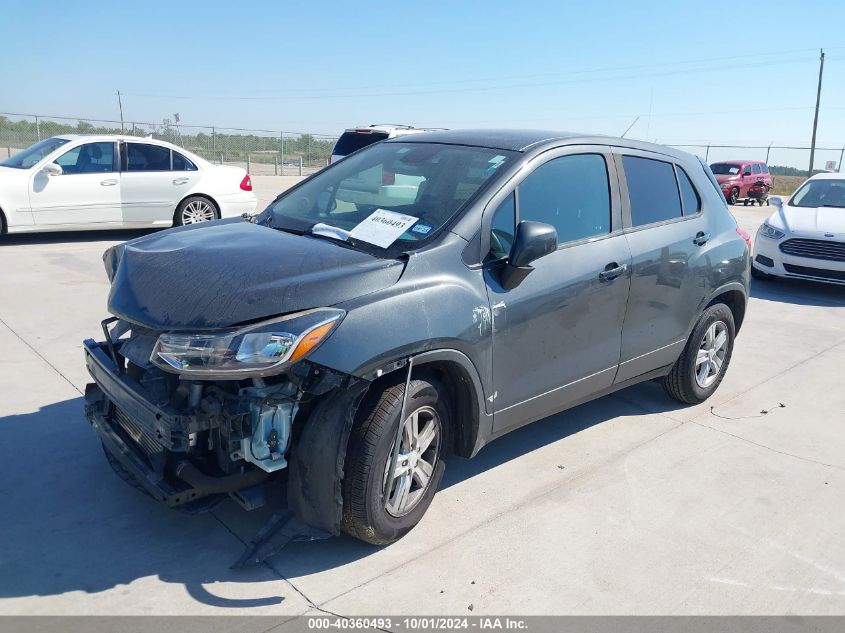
(410,303)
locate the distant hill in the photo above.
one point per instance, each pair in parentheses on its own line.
(780,170)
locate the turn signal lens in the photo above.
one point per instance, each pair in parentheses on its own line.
(744,236)
(310,340)
(246,183)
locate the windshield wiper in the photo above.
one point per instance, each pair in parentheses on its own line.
(333,232)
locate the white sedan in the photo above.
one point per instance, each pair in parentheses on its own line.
(78,182)
(805,237)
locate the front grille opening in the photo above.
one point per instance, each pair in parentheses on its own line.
(814,249)
(837,275)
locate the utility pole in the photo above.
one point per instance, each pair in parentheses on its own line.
(816,117)
(120,105)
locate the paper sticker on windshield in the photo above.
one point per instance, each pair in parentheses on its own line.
(422,229)
(382,227)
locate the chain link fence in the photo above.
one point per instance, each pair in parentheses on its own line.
(270,152)
(260,152)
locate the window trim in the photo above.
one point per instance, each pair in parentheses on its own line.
(618,153)
(115,163)
(173,152)
(512,184)
(684,213)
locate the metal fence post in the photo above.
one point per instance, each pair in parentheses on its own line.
(275,165)
(769,149)
(221,158)
(309,149)
(37,128)
(213,141)
(248,170)
(706,153)
(300,165)
(282,135)
(839,166)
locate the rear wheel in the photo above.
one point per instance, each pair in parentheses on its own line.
(195,209)
(380,507)
(704,361)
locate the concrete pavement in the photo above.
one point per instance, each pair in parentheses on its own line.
(630,504)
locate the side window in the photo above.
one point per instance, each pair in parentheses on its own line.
(689,196)
(181,163)
(571,193)
(756,168)
(143,157)
(746,170)
(765,168)
(91,158)
(652,190)
(502,229)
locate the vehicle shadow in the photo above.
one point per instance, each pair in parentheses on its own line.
(73,237)
(800,292)
(71,525)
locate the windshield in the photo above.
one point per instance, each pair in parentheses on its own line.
(389,195)
(820,193)
(724,169)
(31,155)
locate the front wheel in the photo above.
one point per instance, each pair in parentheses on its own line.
(704,361)
(195,209)
(733,196)
(380,507)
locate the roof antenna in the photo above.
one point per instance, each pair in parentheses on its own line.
(633,123)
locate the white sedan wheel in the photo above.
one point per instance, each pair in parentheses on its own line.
(197,210)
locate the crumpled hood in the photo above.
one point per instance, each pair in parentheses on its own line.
(811,220)
(219,274)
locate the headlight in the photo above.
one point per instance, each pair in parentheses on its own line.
(250,351)
(771,232)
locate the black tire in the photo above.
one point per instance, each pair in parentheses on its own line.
(745,202)
(369,451)
(759,274)
(681,383)
(213,210)
(733,196)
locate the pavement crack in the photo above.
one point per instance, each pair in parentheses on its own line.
(41,356)
(270,566)
(769,448)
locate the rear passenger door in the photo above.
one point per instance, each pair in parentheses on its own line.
(150,189)
(666,230)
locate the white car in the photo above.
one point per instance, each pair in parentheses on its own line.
(75,182)
(805,237)
(357,138)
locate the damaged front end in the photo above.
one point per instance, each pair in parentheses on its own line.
(191,418)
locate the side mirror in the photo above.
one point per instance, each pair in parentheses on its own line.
(532,241)
(52,169)
(776,200)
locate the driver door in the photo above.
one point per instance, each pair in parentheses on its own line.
(557,335)
(86,192)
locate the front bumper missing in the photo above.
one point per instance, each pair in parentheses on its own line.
(136,433)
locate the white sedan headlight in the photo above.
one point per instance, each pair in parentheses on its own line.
(771,232)
(250,351)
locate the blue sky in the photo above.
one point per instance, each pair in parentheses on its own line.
(323,66)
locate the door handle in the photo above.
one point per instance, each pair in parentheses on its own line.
(180,181)
(612,271)
(109,182)
(701,238)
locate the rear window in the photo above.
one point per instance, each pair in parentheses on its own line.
(353,141)
(652,190)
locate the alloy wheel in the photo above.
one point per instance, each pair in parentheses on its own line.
(711,354)
(197,211)
(419,451)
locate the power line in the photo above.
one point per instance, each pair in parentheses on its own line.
(473,89)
